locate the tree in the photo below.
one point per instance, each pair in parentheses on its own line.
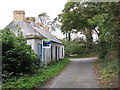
(107,21)
(90,16)
(67,20)
(75,19)
(44,18)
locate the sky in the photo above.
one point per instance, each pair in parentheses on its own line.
(32,8)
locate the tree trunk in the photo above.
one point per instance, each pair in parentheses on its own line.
(69,37)
(89,40)
(66,36)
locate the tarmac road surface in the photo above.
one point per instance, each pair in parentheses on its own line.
(78,74)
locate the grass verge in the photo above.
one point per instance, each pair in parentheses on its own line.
(107,71)
(39,78)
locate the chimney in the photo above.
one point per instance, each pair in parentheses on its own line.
(46,28)
(19,15)
(30,19)
(39,24)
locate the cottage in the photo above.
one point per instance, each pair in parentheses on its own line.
(36,35)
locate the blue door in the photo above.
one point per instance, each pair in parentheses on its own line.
(40,50)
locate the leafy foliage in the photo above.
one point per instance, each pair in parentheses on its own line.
(108,31)
(46,21)
(18,57)
(109,72)
(103,18)
(75,19)
(75,47)
(39,78)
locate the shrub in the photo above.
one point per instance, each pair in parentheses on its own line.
(17,57)
(74,48)
(77,48)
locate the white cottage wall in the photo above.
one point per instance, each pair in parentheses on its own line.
(37,41)
(32,43)
(54,51)
(47,57)
(61,52)
(53,55)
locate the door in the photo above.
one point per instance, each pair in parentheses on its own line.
(40,50)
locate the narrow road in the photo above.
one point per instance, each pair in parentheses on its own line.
(78,74)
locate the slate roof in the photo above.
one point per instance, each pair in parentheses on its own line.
(30,29)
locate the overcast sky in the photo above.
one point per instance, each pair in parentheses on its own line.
(31,7)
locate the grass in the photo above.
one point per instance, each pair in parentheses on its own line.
(108,71)
(39,78)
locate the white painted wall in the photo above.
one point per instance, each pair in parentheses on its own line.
(34,44)
(37,41)
(60,51)
(31,42)
(53,57)
(47,55)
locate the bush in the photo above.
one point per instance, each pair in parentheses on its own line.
(77,48)
(17,57)
(74,48)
